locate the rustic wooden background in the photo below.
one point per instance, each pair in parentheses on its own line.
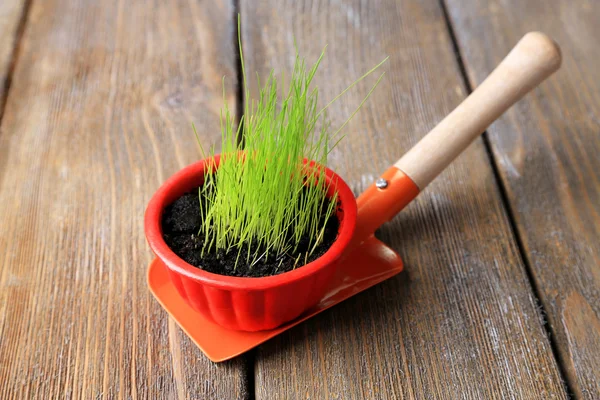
(501,293)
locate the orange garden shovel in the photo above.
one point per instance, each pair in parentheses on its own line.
(368,261)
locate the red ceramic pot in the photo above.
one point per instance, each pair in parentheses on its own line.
(249,304)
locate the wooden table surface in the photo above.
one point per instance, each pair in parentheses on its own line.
(501,293)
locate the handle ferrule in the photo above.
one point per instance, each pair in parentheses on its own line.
(378,205)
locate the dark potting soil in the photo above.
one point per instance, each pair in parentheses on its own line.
(181,222)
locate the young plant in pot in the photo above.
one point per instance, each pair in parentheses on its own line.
(251,237)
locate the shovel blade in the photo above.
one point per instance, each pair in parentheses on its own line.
(365,266)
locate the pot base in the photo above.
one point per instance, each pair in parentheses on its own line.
(367,265)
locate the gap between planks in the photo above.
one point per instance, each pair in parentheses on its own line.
(14,55)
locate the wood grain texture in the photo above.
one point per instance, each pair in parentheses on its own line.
(99,115)
(461,321)
(11,12)
(548,153)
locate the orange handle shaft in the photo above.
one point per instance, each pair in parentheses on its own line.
(378,205)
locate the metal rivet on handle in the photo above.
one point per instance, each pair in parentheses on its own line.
(381,183)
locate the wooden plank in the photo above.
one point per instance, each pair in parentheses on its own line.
(548,153)
(461,321)
(11,13)
(99,115)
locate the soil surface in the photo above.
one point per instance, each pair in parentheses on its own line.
(181,223)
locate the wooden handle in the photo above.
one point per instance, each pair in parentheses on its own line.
(532,60)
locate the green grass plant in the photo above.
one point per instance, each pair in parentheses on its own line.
(263,197)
